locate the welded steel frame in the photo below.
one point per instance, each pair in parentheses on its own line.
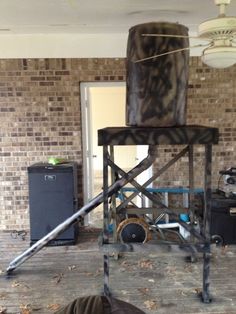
(202,239)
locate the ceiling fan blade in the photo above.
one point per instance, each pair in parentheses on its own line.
(170,52)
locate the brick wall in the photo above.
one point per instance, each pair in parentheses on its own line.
(40,117)
(211,102)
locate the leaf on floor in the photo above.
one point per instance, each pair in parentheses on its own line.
(145,264)
(25,309)
(151,305)
(53,307)
(144,291)
(22,284)
(57,278)
(126,266)
(3,310)
(15,284)
(72,267)
(197,290)
(188,268)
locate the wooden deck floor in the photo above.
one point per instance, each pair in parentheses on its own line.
(156,284)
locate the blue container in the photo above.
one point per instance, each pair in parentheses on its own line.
(184,217)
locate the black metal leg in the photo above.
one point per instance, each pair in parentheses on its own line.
(193,257)
(206,225)
(107,292)
(206,281)
(105,219)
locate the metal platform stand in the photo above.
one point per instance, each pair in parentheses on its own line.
(108,138)
(187,135)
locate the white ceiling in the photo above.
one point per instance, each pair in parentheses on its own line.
(100,16)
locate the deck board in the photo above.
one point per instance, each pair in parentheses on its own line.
(156,284)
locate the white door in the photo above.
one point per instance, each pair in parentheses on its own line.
(103,105)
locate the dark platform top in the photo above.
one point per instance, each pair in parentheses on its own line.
(190,134)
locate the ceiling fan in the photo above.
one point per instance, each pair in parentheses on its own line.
(219,32)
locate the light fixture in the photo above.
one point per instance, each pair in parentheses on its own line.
(219,57)
(221,53)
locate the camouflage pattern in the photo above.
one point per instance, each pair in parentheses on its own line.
(206,224)
(181,135)
(157,88)
(158,136)
(107,292)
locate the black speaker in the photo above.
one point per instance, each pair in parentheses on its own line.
(223,218)
(52,199)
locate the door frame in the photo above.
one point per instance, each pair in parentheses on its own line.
(86,135)
(87,140)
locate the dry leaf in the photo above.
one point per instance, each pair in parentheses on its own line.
(127,264)
(72,267)
(146,264)
(151,304)
(15,284)
(197,290)
(188,268)
(25,309)
(144,290)
(53,307)
(19,284)
(57,278)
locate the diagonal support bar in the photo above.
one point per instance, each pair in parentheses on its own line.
(156,175)
(36,247)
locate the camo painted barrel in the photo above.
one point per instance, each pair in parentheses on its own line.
(157,88)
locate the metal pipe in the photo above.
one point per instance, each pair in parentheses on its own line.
(142,166)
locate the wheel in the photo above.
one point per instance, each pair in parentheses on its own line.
(133,230)
(217,239)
